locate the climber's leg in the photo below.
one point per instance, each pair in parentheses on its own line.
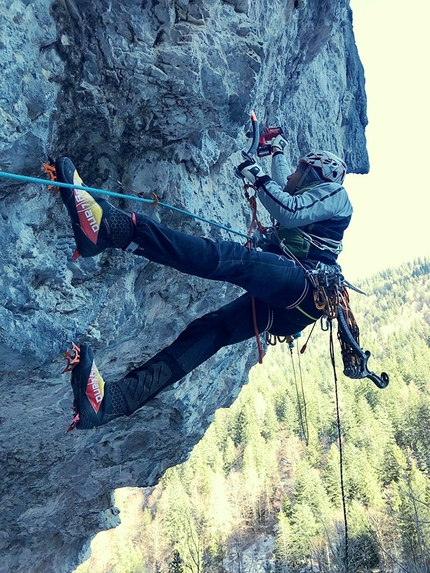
(98,224)
(97,402)
(270,277)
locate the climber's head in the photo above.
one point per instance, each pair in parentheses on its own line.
(314,167)
(324,166)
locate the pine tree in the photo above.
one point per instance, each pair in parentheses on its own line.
(176,565)
(255,453)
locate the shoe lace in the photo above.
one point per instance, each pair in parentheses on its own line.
(72,358)
(51,172)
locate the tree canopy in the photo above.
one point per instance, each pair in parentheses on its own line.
(263,484)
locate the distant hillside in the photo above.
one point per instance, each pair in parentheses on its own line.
(261,491)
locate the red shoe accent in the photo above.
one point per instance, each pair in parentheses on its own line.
(76,255)
(73,424)
(72,359)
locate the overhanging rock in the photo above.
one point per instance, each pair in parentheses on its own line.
(155,94)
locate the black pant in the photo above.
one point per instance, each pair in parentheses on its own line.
(278,285)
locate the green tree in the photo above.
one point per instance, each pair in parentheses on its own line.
(128,559)
(411,507)
(176,565)
(309,490)
(284,540)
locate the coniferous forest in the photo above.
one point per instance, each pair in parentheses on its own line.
(262,491)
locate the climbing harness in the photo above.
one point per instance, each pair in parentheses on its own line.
(331,297)
(321,243)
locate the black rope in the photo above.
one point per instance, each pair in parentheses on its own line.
(339,433)
(305,411)
(299,402)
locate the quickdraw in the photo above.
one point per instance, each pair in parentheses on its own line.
(252,199)
(332,298)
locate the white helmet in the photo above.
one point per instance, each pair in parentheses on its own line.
(330,166)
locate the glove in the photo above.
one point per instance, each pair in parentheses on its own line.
(278,144)
(250,171)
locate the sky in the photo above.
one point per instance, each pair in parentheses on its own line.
(391,221)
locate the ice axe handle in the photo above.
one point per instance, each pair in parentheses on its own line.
(255,134)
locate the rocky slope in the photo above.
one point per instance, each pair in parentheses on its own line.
(156,95)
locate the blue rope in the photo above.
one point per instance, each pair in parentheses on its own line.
(119,195)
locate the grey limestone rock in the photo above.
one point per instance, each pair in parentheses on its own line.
(155,94)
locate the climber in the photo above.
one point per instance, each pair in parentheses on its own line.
(312,212)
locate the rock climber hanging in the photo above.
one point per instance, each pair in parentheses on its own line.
(312,211)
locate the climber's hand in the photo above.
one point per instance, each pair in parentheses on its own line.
(278,144)
(250,171)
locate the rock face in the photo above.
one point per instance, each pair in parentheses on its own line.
(155,94)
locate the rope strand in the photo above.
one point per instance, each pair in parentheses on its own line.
(339,433)
(301,401)
(305,411)
(153,201)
